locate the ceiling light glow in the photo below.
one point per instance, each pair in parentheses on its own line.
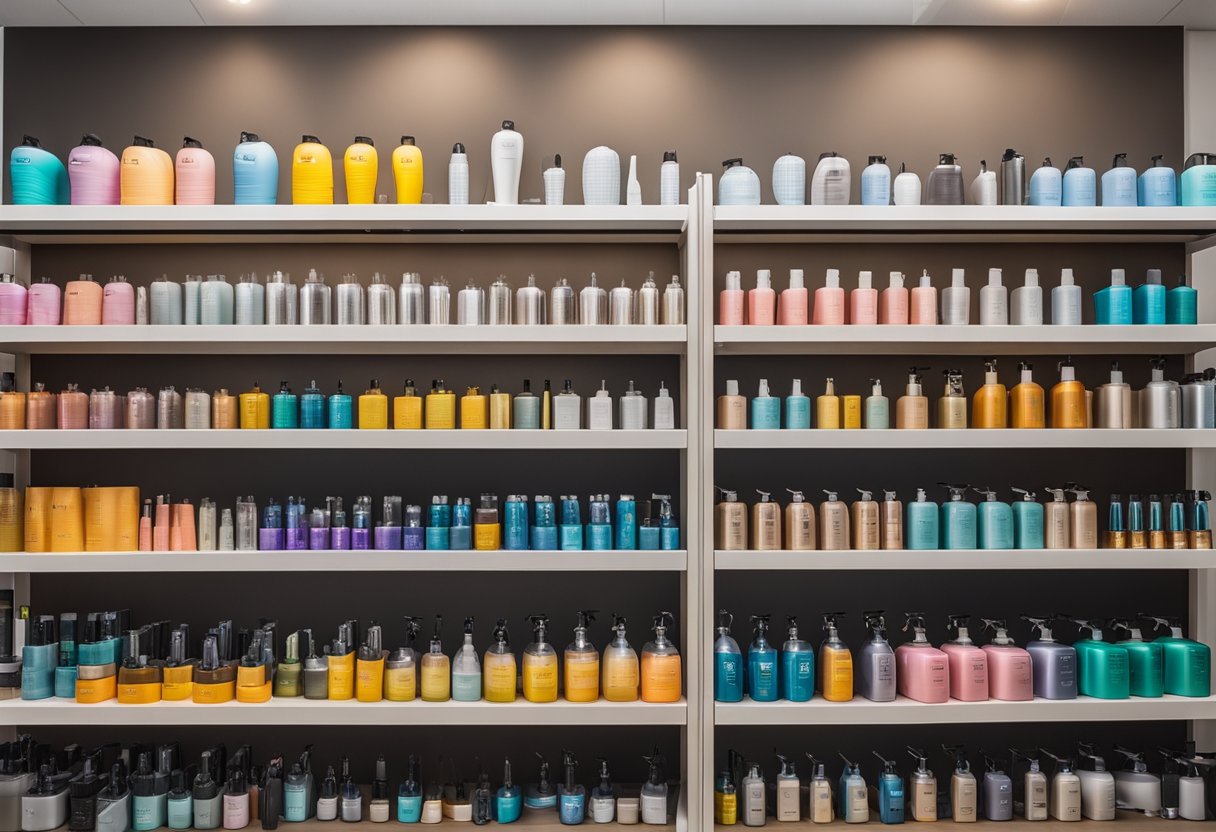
(240,2)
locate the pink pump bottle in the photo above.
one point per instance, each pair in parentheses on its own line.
(730,301)
(792,302)
(14,301)
(118,302)
(1010,675)
(762,300)
(922,671)
(922,311)
(863,301)
(968,663)
(829,301)
(44,303)
(893,305)
(194,174)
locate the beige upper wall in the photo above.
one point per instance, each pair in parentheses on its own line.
(1200,85)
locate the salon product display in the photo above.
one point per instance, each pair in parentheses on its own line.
(1125,665)
(1178,520)
(1085,782)
(1150,302)
(1161,404)
(412,409)
(106,658)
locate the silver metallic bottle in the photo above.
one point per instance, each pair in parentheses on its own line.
(876,662)
(593,304)
(411,303)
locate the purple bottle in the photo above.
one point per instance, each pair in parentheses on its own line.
(93,173)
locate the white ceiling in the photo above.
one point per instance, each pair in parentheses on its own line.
(1194,14)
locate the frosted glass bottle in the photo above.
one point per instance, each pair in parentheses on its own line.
(789,180)
(739,184)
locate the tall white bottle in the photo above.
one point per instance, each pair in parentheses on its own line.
(458,176)
(906,188)
(506,163)
(669,179)
(633,188)
(994,301)
(956,300)
(1066,301)
(983,187)
(1028,301)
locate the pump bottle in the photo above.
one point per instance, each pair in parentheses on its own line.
(763,684)
(994,301)
(968,663)
(1010,676)
(1079,186)
(792,302)
(1066,301)
(876,662)
(922,523)
(1188,664)
(728,661)
(797,673)
(891,522)
(797,408)
(956,300)
(1135,788)
(877,412)
(863,301)
(852,796)
(1068,406)
(922,308)
(912,408)
(1160,400)
(789,801)
(753,797)
(620,666)
(998,791)
(893,302)
(582,663)
(799,523)
(963,797)
(922,671)
(958,522)
(819,800)
(732,408)
(730,522)
(1113,303)
(833,524)
(660,666)
(761,300)
(1102,668)
(1114,402)
(835,663)
(991,401)
(952,406)
(766,409)
(1046,185)
(435,673)
(922,789)
(540,664)
(906,189)
(1119,184)
(1097,785)
(829,301)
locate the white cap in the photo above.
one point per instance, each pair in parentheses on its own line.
(1153,277)
(833,279)
(603,393)
(796,281)
(734,280)
(1068,373)
(896,280)
(994,277)
(926,282)
(1118,277)
(732,387)
(865,280)
(956,278)
(1116,374)
(763,394)
(796,387)
(764,279)
(664,393)
(876,388)
(829,386)
(1027,375)
(1066,277)
(1032,277)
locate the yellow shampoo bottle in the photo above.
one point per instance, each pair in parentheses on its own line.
(312,173)
(373,408)
(440,407)
(369,666)
(581,678)
(991,405)
(255,409)
(401,666)
(407,408)
(341,665)
(407,171)
(835,664)
(436,669)
(361,164)
(473,412)
(620,666)
(498,669)
(827,408)
(540,664)
(661,678)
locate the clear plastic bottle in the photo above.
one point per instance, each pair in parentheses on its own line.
(466,670)
(661,677)
(435,669)
(581,679)
(540,664)
(620,666)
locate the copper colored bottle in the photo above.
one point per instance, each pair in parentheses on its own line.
(224,410)
(141,409)
(40,408)
(12,404)
(73,409)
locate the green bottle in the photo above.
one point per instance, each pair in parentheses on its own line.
(1146,661)
(1188,664)
(1102,669)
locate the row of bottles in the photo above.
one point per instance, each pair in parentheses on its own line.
(110,519)
(143,787)
(1179,521)
(1118,303)
(1081,787)
(1161,404)
(1075,186)
(255,409)
(960,669)
(216,302)
(108,659)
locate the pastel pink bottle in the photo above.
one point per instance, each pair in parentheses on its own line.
(968,664)
(922,309)
(829,301)
(762,300)
(44,303)
(893,305)
(14,301)
(93,173)
(863,301)
(922,672)
(792,303)
(118,302)
(193,174)
(730,301)
(1010,673)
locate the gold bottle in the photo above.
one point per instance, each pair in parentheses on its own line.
(912,408)
(341,666)
(440,407)
(435,669)
(401,666)
(891,522)
(827,408)
(952,406)
(730,522)
(852,412)
(373,408)
(224,410)
(581,664)
(732,408)
(991,406)
(500,409)
(540,664)
(1137,538)
(1026,409)
(1068,406)
(1156,523)
(473,410)
(1116,534)
(407,408)
(833,524)
(1057,524)
(864,519)
(255,409)
(369,666)
(799,523)
(12,404)
(766,523)
(498,668)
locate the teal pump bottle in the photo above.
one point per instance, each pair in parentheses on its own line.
(1182,303)
(766,409)
(509,800)
(728,662)
(878,410)
(995,522)
(921,527)
(37,175)
(797,408)
(1199,180)
(763,684)
(958,524)
(1148,300)
(1103,670)
(1188,664)
(1146,660)
(1113,303)
(1027,521)
(284,408)
(797,665)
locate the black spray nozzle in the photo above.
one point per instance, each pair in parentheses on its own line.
(584,618)
(958,753)
(875,620)
(888,766)
(725,621)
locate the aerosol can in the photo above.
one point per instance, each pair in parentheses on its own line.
(876,662)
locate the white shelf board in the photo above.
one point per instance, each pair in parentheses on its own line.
(965,559)
(282,440)
(345,340)
(348,561)
(906,712)
(300,711)
(972,438)
(963,340)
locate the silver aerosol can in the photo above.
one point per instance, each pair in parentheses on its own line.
(672,310)
(281,300)
(438,302)
(620,305)
(562,310)
(500,302)
(1199,400)
(1013,178)
(648,302)
(1113,402)
(1160,400)
(314,300)
(381,301)
(593,304)
(530,303)
(471,306)
(411,306)
(349,301)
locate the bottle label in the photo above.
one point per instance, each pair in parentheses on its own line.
(295,808)
(621,678)
(583,680)
(436,684)
(400,684)
(660,678)
(487,536)
(466,687)
(409,809)
(500,679)
(341,679)
(540,679)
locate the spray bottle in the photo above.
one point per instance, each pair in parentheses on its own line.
(922,787)
(1053,665)
(889,796)
(762,669)
(1135,788)
(789,806)
(835,662)
(1146,660)
(963,797)
(1102,668)
(797,676)
(1097,785)
(876,662)
(1033,805)
(998,790)
(819,802)
(852,796)
(728,660)
(1188,664)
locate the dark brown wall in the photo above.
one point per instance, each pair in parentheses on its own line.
(709,93)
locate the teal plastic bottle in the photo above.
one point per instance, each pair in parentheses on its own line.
(1146,660)
(921,529)
(728,662)
(1148,300)
(995,522)
(958,523)
(766,409)
(284,408)
(763,683)
(1103,670)
(1113,303)
(37,175)
(1188,664)
(1199,180)
(797,408)
(1182,303)
(1027,521)
(797,665)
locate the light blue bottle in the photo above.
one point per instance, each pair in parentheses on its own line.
(669,530)
(599,524)
(341,411)
(738,185)
(37,175)
(921,528)
(509,800)
(878,408)
(1079,188)
(255,172)
(409,794)
(876,182)
(797,408)
(312,407)
(890,792)
(461,535)
(995,522)
(1027,521)
(763,684)
(797,665)
(571,795)
(766,409)
(515,523)
(1046,185)
(626,522)
(1157,186)
(1182,303)
(1199,180)
(648,531)
(439,523)
(543,534)
(1148,300)
(1119,184)
(1113,303)
(958,519)
(570,533)
(728,662)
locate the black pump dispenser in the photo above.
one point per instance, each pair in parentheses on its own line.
(190,142)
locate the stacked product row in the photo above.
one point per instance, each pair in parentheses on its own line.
(109,519)
(72,409)
(216,302)
(1179,521)
(1116,304)
(1089,791)
(156,662)
(961,670)
(119,788)
(1161,404)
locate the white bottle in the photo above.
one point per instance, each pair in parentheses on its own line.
(633,190)
(1192,803)
(983,187)
(789,180)
(567,409)
(506,163)
(1066,301)
(458,176)
(599,409)
(994,301)
(664,409)
(633,409)
(669,179)
(956,301)
(555,183)
(1097,791)
(906,189)
(832,182)
(1028,301)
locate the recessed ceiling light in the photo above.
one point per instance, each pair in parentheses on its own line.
(240,2)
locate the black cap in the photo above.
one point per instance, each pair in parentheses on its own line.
(831,154)
(945,158)
(1199,159)
(557,160)
(308,138)
(1010,153)
(1120,161)
(878,160)
(1075,162)
(407,139)
(364,140)
(91,140)
(30,141)
(507,124)
(458,148)
(249,136)
(732,163)
(141,141)
(189,142)
(669,156)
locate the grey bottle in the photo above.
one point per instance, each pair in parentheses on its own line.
(1054,665)
(1160,400)
(876,662)
(114,803)
(997,791)
(752,794)
(1199,400)
(945,182)
(1013,178)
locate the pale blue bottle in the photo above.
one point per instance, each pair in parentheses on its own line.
(1199,180)
(762,673)
(766,409)
(876,182)
(626,522)
(1079,188)
(797,666)
(515,523)
(1027,521)
(922,525)
(1113,303)
(995,522)
(1119,184)
(255,172)
(1157,186)
(1046,185)
(1182,303)
(797,408)
(1148,300)
(728,662)
(958,524)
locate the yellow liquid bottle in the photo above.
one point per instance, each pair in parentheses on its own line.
(498,669)
(312,173)
(440,407)
(500,409)
(1026,408)
(991,404)
(401,666)
(661,675)
(952,406)
(827,408)
(621,674)
(407,408)
(835,665)
(373,408)
(361,164)
(369,666)
(540,664)
(1068,406)
(473,412)
(255,409)
(581,676)
(436,669)
(407,171)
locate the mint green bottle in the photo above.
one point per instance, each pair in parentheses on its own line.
(1188,664)
(995,522)
(921,527)
(958,519)
(1146,662)
(878,410)
(1103,670)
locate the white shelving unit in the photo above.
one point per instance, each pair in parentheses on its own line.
(971,438)
(964,559)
